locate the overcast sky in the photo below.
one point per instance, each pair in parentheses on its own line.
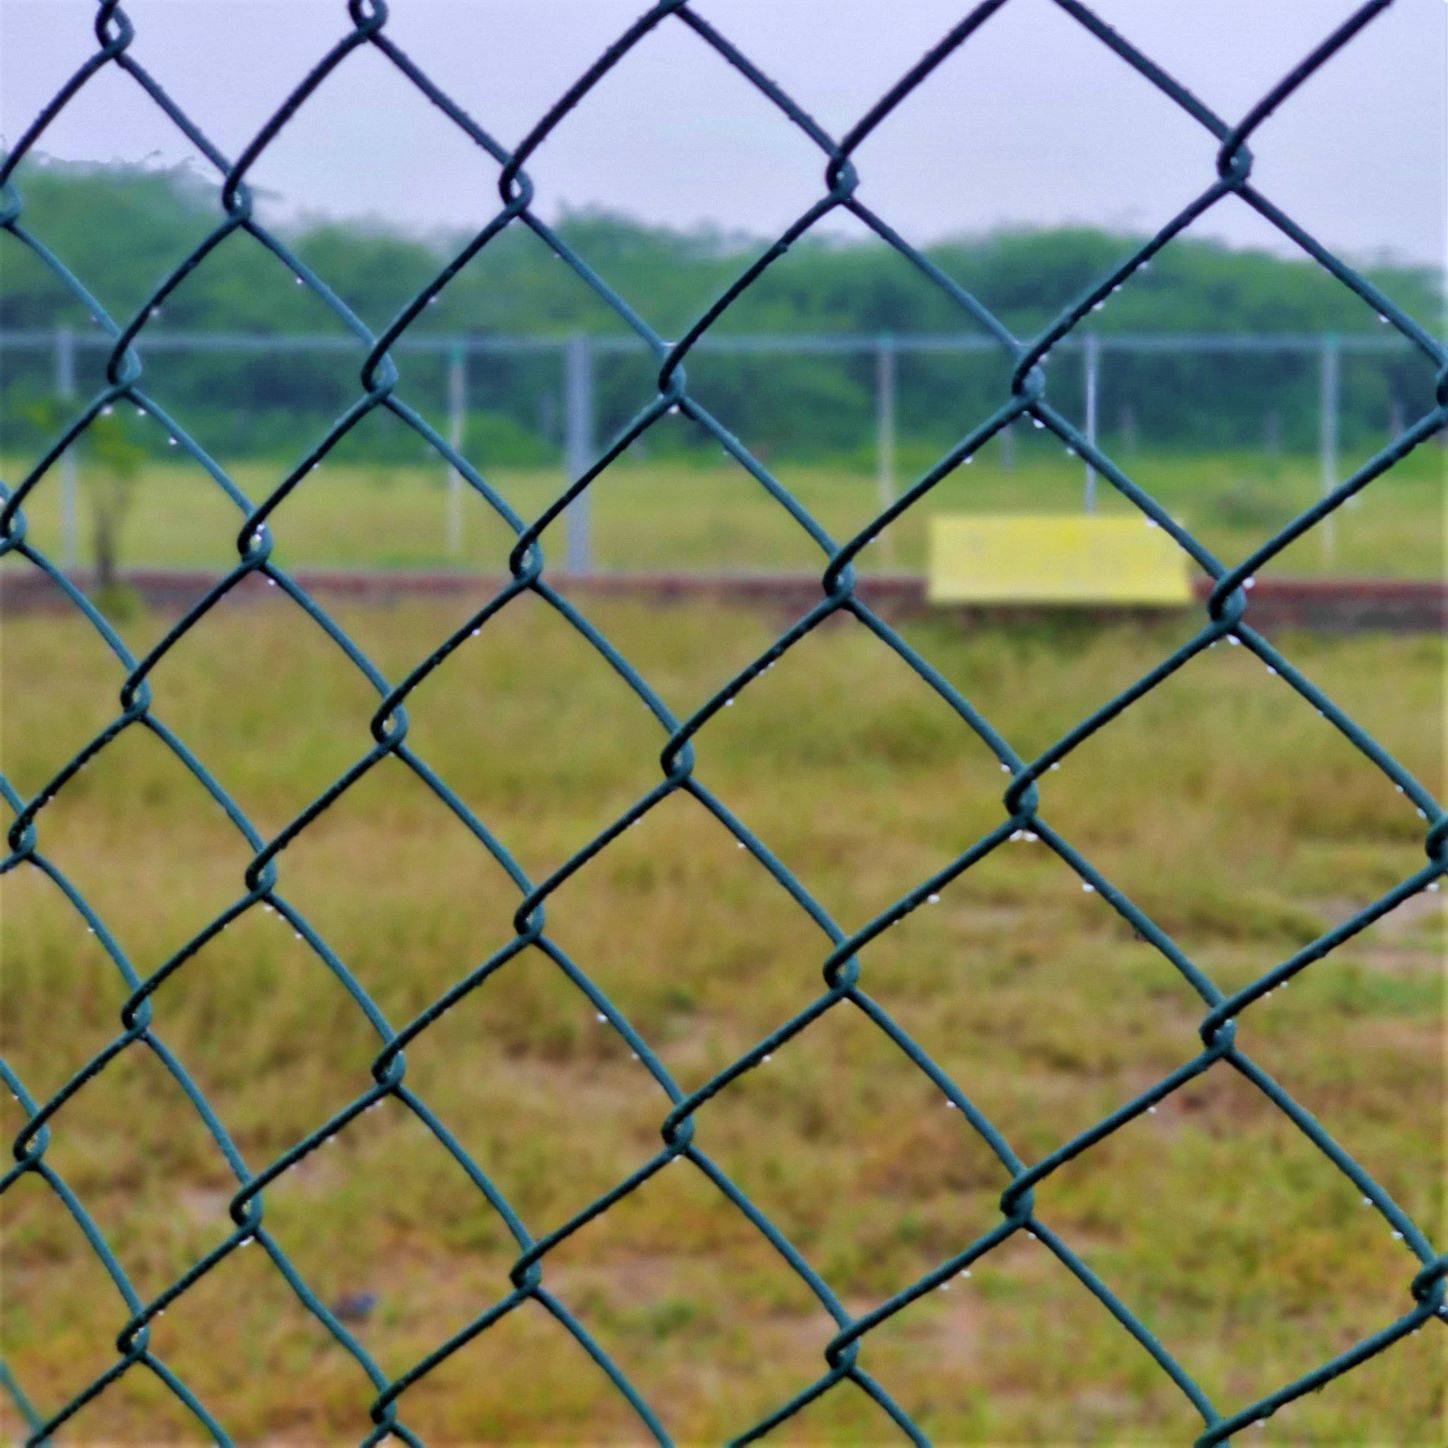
(1032,122)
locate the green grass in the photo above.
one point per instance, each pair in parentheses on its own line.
(658,516)
(1221,803)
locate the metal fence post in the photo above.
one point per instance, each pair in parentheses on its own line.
(65,390)
(885,433)
(457,381)
(1091,369)
(1330,379)
(1272,432)
(577,446)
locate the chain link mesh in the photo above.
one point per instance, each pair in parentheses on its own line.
(142,1017)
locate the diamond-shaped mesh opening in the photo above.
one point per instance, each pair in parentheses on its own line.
(180,836)
(274,1086)
(166,221)
(249,708)
(47,946)
(711,954)
(133,1405)
(1214,876)
(982,981)
(407,923)
(54,1289)
(591,747)
(977,144)
(972,1359)
(157,827)
(472,1395)
(36,740)
(386,1182)
(242,1322)
(1295,1279)
(358,107)
(644,1280)
(556,1109)
(730,523)
(711,108)
(159,1210)
(876,715)
(868,1174)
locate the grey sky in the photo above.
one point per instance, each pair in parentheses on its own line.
(1033,121)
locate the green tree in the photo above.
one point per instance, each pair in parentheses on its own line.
(109,459)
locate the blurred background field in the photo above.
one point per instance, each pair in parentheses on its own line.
(1234,379)
(1235,385)
(1240,821)
(690,516)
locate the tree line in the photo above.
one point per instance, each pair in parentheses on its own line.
(122,228)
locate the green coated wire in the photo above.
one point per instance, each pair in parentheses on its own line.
(142,1017)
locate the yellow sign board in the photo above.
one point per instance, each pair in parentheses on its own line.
(1054,558)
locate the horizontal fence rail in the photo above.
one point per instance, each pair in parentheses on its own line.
(492,343)
(575,353)
(1226,614)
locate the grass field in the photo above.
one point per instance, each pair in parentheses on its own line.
(1239,820)
(656,516)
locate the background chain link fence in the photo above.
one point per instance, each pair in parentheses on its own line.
(142,1022)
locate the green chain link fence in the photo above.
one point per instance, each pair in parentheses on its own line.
(1227,613)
